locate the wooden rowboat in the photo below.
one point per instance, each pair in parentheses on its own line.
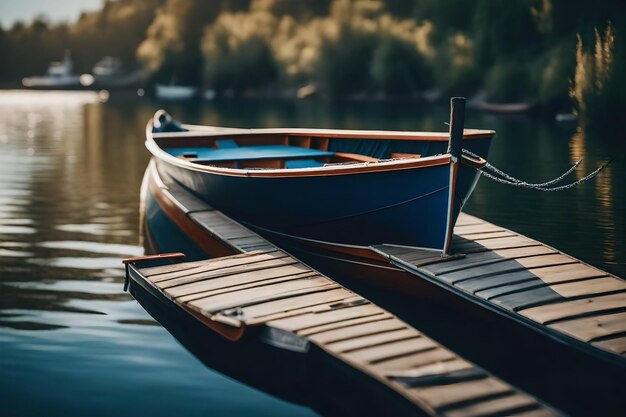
(337,186)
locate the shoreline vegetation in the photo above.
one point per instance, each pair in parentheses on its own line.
(547,56)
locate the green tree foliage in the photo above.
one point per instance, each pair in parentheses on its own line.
(526,50)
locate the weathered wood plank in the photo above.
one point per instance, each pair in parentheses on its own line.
(415,360)
(570,309)
(309,331)
(501,406)
(489,257)
(381,353)
(211,283)
(372,340)
(506,266)
(259,295)
(616,345)
(590,328)
(546,294)
(358,330)
(446,395)
(300,323)
(436,368)
(242,260)
(225,272)
(464,230)
(498,243)
(227,288)
(308,303)
(184,200)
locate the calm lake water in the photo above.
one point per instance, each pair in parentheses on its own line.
(73,343)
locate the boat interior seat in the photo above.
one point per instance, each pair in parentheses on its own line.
(246,153)
(303,163)
(226,144)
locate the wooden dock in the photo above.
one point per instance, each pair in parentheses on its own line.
(529,282)
(260,291)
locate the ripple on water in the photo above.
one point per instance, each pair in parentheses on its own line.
(93,229)
(86,263)
(94,247)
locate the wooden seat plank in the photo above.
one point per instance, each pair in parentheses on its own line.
(361,342)
(570,309)
(440,396)
(358,330)
(590,328)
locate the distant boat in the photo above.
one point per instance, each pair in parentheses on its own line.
(505,108)
(59,75)
(175,92)
(109,73)
(337,186)
(108,67)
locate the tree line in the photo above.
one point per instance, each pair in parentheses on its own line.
(558,53)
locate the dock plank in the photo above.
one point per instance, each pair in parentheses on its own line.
(360,342)
(570,309)
(446,395)
(507,405)
(591,328)
(236,278)
(527,279)
(359,330)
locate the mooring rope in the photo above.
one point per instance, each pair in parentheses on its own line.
(507,179)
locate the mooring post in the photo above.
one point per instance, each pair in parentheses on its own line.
(457,123)
(455,149)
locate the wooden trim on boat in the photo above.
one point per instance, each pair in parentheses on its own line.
(468,134)
(478,163)
(158,256)
(357,168)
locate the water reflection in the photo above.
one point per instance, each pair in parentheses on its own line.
(70,172)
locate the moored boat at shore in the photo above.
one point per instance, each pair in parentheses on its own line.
(344,187)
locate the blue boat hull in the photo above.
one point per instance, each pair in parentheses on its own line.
(404,207)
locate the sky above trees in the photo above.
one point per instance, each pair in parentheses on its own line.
(12,11)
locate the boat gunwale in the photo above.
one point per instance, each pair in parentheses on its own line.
(340,169)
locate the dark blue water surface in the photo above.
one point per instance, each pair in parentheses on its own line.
(72,343)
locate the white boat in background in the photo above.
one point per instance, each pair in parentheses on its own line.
(175,92)
(59,75)
(108,67)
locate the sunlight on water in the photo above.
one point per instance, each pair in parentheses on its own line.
(70,170)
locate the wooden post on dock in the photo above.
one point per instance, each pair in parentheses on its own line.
(455,149)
